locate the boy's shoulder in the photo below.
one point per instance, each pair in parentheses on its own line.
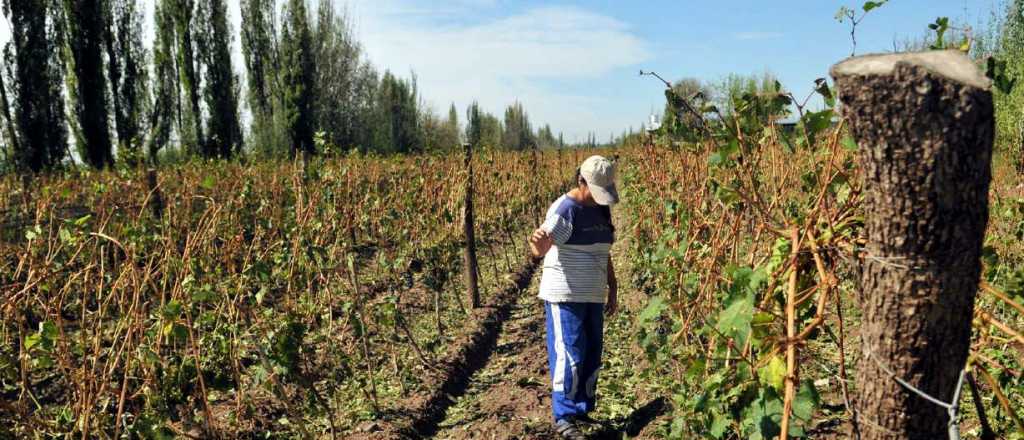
(564,207)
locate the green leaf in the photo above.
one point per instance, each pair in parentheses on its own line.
(715,159)
(868,6)
(816,122)
(849,144)
(49,330)
(44,361)
(719,425)
(761,419)
(209,182)
(33,340)
(696,368)
(727,195)
(735,320)
(204,296)
(176,332)
(653,310)
(806,401)
(822,88)
(171,310)
(732,147)
(773,373)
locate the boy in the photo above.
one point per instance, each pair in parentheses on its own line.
(575,241)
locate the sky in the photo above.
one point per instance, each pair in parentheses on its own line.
(575,64)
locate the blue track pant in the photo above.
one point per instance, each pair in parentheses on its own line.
(574,334)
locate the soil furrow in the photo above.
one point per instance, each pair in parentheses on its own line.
(419,417)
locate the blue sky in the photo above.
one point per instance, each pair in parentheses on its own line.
(575,64)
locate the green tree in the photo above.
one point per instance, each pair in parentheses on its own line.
(10,138)
(546,138)
(1010,120)
(126,64)
(220,87)
(432,131)
(678,120)
(518,133)
(166,110)
(191,134)
(452,132)
(38,104)
(84,22)
(259,49)
(398,116)
(339,60)
(441,135)
(298,74)
(491,131)
(474,129)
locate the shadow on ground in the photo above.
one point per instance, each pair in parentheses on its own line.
(634,423)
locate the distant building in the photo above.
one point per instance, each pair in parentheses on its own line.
(653,123)
(787,124)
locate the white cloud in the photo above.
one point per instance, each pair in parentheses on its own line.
(748,36)
(460,57)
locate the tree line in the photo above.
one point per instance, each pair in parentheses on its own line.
(998,37)
(77,82)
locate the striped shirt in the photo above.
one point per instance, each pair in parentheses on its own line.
(576,267)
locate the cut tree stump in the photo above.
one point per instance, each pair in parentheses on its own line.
(925,124)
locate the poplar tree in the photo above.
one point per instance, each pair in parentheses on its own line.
(518,132)
(191,135)
(397,105)
(258,39)
(334,66)
(10,138)
(166,100)
(298,76)
(220,88)
(474,129)
(491,131)
(85,27)
(452,129)
(126,64)
(38,106)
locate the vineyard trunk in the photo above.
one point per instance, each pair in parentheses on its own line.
(924,123)
(472,287)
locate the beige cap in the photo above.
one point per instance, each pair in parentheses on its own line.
(599,173)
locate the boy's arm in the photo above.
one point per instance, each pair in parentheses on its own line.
(555,231)
(613,290)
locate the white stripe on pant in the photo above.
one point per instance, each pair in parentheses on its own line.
(558,383)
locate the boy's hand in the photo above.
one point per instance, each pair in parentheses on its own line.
(538,236)
(612,306)
(540,243)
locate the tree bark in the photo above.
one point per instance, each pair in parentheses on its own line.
(925,125)
(5,110)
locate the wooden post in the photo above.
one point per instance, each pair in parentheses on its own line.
(925,124)
(157,202)
(472,287)
(536,190)
(306,156)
